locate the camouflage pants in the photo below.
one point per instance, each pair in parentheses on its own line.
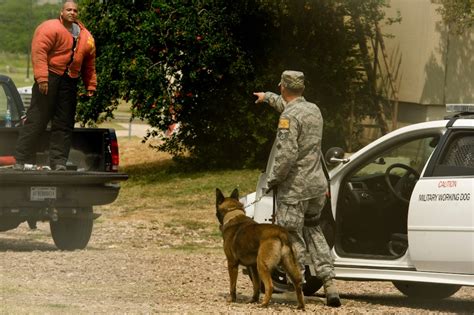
(307,239)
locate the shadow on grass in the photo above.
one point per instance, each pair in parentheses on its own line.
(155,171)
(167,170)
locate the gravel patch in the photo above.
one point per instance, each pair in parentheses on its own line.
(130,267)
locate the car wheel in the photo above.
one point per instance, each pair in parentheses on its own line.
(312,285)
(278,279)
(422,290)
(72,233)
(280,283)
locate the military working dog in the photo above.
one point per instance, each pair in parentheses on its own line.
(259,247)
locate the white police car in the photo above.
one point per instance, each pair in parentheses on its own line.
(403,209)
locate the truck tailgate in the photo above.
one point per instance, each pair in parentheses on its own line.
(61,189)
(8,176)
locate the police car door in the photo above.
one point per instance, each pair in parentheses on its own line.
(441,211)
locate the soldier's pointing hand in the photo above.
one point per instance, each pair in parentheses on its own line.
(260,97)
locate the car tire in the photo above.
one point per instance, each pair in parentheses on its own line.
(423,290)
(72,233)
(280,283)
(312,285)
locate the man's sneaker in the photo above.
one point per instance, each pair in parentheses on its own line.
(60,167)
(332,296)
(19,166)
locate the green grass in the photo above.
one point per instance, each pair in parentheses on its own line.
(15,66)
(58,306)
(160,182)
(180,203)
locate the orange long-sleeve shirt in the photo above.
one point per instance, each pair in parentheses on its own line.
(51,50)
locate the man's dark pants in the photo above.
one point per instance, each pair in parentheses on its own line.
(59,106)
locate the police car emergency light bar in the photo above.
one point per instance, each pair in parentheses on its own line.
(463,108)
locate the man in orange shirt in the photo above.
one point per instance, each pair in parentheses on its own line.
(62,50)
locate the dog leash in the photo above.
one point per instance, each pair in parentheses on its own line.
(261,197)
(254,202)
(274,189)
(274,204)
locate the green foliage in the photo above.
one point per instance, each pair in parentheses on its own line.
(198,61)
(458,13)
(18,20)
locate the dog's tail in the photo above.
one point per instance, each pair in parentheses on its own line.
(287,248)
(291,266)
(288,252)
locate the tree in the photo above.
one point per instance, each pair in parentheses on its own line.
(198,62)
(458,13)
(18,20)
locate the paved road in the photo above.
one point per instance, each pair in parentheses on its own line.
(134,129)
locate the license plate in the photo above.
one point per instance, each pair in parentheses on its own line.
(42,193)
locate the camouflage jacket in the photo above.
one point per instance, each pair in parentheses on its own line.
(296,166)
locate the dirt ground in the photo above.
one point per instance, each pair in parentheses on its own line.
(128,267)
(131,266)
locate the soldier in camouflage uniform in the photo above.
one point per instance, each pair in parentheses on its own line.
(298,175)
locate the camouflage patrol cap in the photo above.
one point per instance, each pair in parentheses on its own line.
(292,79)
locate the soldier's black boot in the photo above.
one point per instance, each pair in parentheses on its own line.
(332,296)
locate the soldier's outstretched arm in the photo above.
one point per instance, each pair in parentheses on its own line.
(274,100)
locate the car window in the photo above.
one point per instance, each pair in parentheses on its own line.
(414,154)
(460,152)
(3,102)
(458,157)
(6,101)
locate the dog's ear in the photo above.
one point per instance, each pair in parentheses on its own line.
(219,196)
(235,194)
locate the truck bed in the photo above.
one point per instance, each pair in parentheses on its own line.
(90,150)
(91,180)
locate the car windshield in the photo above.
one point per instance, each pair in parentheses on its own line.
(414,154)
(6,102)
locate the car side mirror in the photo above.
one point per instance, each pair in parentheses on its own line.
(335,156)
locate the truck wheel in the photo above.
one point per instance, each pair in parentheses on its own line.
(422,290)
(72,233)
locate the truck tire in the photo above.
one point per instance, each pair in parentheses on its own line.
(72,233)
(422,290)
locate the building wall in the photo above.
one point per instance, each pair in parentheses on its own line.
(430,66)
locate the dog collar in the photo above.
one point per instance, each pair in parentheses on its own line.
(232,214)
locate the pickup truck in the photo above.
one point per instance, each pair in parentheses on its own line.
(64,198)
(401,209)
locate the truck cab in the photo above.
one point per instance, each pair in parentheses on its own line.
(401,209)
(9,99)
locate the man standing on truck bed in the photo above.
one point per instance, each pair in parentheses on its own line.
(62,50)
